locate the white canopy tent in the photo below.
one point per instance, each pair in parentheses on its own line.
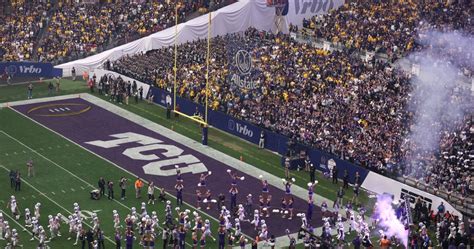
(236,17)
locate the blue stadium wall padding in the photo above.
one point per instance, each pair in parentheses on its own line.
(29,69)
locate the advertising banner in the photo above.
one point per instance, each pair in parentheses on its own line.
(29,69)
(301,9)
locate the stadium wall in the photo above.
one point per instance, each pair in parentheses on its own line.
(380,184)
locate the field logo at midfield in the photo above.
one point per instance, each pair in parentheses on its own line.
(159,164)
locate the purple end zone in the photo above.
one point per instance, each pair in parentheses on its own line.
(83,122)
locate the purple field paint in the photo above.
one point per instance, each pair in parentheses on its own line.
(84,122)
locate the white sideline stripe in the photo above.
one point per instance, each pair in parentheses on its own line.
(16,222)
(105,159)
(53,201)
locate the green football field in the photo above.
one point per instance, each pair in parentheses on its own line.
(65,173)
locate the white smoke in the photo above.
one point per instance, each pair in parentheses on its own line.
(439,98)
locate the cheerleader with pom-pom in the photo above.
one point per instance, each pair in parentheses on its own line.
(234,178)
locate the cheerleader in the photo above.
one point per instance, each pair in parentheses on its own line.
(230,240)
(265,186)
(242,242)
(198,199)
(234,178)
(287,186)
(233,197)
(195,240)
(179,192)
(324,207)
(197,221)
(264,205)
(128,222)
(311,190)
(203,179)
(207,199)
(179,178)
(289,206)
(309,211)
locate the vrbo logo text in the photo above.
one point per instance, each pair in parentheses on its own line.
(239,128)
(314,6)
(30,69)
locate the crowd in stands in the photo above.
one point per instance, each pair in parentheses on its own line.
(78,30)
(20,28)
(389,26)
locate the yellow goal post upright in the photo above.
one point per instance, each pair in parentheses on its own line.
(203,121)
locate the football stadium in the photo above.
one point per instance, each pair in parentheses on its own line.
(236,124)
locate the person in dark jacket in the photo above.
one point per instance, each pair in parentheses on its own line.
(101,185)
(356,242)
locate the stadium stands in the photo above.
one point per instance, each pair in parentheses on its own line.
(389,27)
(73,31)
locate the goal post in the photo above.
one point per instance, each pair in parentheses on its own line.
(203,121)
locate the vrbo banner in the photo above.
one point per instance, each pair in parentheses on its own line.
(300,9)
(29,69)
(273,141)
